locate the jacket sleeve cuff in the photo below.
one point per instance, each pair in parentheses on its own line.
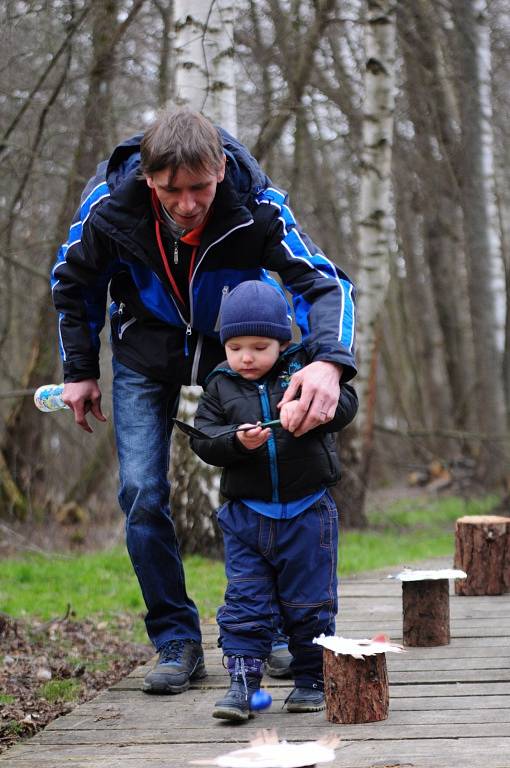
(80,369)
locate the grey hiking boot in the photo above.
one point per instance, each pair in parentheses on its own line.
(305,699)
(245,676)
(278,661)
(179,662)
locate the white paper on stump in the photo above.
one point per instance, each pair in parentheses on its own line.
(409,574)
(358,648)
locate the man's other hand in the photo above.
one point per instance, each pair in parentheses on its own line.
(83,397)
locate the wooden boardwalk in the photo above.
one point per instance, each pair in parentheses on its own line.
(449,706)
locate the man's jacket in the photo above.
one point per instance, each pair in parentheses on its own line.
(251,231)
(285,468)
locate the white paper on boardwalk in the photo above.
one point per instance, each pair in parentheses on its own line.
(357,648)
(266,751)
(408,574)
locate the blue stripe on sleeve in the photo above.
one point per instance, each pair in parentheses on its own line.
(297,248)
(75,230)
(346,331)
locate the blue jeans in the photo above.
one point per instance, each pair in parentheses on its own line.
(275,567)
(142,414)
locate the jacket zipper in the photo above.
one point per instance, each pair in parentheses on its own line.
(271,443)
(224,294)
(123,326)
(196,359)
(189,331)
(211,245)
(198,350)
(176,251)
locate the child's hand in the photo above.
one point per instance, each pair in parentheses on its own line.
(253,438)
(287,411)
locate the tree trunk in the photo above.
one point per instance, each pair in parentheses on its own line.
(482,550)
(205,81)
(426,612)
(23,437)
(204,45)
(480,239)
(356,690)
(166,72)
(375,212)
(433,116)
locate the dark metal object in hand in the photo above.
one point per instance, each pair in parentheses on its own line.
(194,432)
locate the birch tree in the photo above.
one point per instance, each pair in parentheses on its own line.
(205,49)
(204,81)
(376,225)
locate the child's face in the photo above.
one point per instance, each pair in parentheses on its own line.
(253,356)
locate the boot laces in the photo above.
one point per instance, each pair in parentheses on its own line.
(239,669)
(172,651)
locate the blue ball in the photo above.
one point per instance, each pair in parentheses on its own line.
(261,700)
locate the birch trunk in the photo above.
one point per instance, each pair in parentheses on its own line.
(376,225)
(205,78)
(205,81)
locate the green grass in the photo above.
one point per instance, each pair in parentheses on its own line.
(102,584)
(60,690)
(407,531)
(5,698)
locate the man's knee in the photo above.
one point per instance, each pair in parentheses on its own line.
(143,501)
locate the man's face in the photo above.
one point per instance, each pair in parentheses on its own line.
(252,356)
(188,195)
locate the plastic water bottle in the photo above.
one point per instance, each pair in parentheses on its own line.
(48,398)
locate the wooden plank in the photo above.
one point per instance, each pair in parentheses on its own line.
(410,661)
(428,753)
(126,715)
(500,677)
(399,663)
(209,732)
(411,701)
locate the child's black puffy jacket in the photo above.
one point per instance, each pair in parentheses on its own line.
(285,468)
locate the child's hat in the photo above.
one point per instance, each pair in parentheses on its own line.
(255,308)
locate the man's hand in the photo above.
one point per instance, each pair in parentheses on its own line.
(318,387)
(253,438)
(82,397)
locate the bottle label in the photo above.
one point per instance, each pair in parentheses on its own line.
(49,398)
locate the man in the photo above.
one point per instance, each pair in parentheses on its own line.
(171,223)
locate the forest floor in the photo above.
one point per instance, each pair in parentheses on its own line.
(46,669)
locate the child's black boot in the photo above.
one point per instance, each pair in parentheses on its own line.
(245,676)
(306,699)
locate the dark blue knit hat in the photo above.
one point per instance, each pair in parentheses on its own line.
(255,308)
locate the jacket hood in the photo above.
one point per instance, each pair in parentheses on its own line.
(243,173)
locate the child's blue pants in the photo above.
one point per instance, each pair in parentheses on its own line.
(274,566)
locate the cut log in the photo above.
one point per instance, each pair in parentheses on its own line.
(482,550)
(356,690)
(426,612)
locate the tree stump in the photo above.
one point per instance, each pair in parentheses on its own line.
(356,690)
(482,550)
(426,612)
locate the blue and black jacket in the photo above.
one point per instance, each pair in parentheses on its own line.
(251,232)
(285,468)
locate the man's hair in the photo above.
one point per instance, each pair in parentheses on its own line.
(181,138)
